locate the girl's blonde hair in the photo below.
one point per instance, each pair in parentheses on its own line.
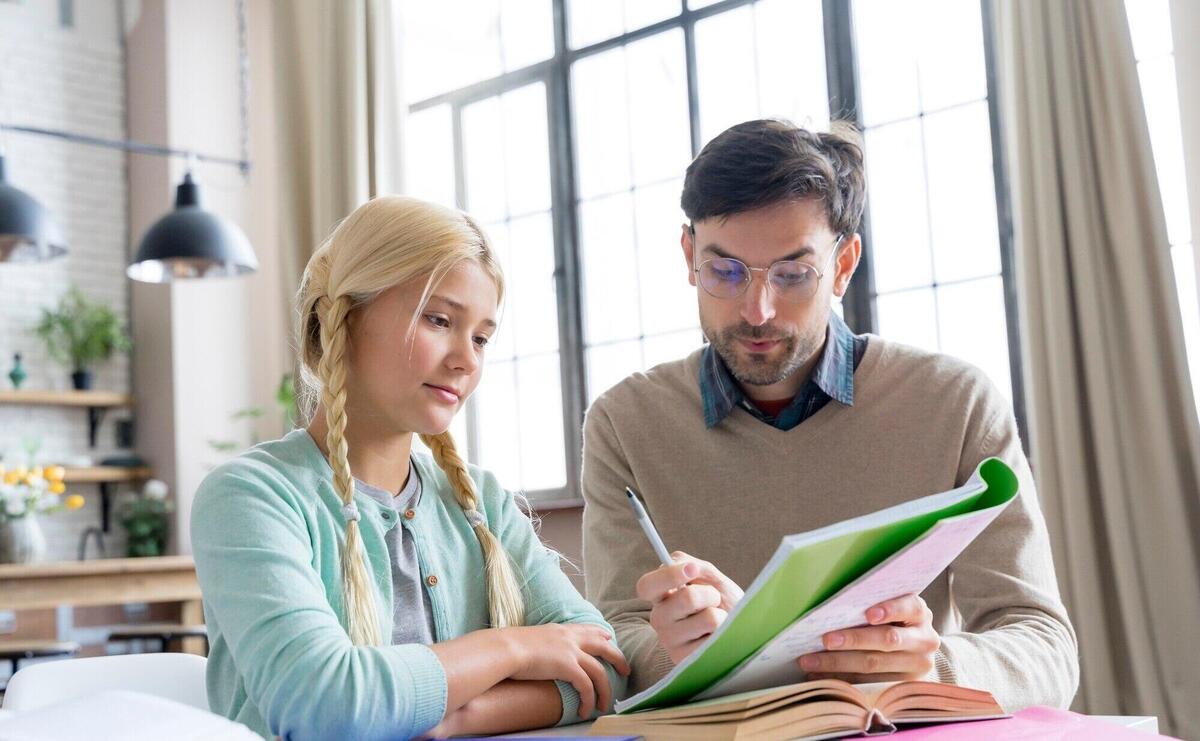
(387,242)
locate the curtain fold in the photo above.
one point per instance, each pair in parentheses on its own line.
(340,116)
(1115,439)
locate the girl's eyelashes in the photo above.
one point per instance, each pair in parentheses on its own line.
(443,322)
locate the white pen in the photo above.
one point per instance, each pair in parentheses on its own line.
(648,528)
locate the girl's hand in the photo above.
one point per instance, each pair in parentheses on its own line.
(570,652)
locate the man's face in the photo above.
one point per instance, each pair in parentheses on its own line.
(769,343)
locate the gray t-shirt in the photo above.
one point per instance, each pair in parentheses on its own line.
(412,615)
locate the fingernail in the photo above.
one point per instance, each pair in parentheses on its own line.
(875,614)
(836,640)
(808,663)
(691,571)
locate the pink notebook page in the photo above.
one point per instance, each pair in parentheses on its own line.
(1040,723)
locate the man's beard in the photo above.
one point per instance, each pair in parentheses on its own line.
(758,370)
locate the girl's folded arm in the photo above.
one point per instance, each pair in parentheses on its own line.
(254,561)
(550,597)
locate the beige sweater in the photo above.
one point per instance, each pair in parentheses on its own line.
(919,425)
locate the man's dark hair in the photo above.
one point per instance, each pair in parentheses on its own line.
(769,161)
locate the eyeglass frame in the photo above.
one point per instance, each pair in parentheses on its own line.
(750,271)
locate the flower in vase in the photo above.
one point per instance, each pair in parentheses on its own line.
(25,490)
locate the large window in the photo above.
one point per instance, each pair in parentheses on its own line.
(1150,27)
(565,126)
(935,241)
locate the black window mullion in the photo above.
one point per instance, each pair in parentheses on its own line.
(841,69)
(1005,225)
(693,81)
(566,251)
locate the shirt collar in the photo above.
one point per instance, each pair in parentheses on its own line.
(833,375)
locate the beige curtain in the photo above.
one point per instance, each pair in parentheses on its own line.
(339,113)
(1114,431)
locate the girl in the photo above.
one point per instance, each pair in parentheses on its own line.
(354,589)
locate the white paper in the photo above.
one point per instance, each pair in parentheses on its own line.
(120,715)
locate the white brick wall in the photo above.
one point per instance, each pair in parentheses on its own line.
(69,79)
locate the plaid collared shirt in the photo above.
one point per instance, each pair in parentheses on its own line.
(833,378)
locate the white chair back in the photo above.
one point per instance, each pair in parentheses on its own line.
(178,677)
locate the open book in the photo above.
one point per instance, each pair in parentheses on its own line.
(825,708)
(826,580)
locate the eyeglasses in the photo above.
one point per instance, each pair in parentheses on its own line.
(790,280)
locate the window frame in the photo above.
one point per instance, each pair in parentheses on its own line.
(844,103)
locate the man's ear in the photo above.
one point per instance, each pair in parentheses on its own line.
(689,251)
(846,263)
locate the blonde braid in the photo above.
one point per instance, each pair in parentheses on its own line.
(506,608)
(362,622)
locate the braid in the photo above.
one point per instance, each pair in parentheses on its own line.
(505,605)
(362,622)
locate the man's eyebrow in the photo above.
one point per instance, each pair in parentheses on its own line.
(802,252)
(490,323)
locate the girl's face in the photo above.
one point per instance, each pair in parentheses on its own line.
(403,378)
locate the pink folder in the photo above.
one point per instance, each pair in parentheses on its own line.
(1031,723)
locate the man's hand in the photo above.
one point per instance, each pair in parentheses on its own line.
(898,643)
(689,600)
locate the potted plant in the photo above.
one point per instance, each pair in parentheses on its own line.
(144,517)
(25,493)
(79,333)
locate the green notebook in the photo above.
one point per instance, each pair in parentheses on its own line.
(825,580)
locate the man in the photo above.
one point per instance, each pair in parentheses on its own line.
(785,422)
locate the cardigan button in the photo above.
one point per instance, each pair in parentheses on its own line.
(387,515)
(431,580)
(408,515)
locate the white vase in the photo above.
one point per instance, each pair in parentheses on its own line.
(21,540)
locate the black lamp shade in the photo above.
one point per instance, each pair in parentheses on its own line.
(27,233)
(191,242)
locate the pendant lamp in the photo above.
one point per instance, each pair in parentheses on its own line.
(191,242)
(27,233)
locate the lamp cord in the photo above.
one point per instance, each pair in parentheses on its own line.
(243,85)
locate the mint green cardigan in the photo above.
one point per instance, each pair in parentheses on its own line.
(265,532)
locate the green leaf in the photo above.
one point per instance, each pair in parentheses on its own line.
(223,446)
(79,333)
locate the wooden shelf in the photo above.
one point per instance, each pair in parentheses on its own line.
(107,475)
(96,403)
(44,397)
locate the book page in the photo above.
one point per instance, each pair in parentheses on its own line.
(908,572)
